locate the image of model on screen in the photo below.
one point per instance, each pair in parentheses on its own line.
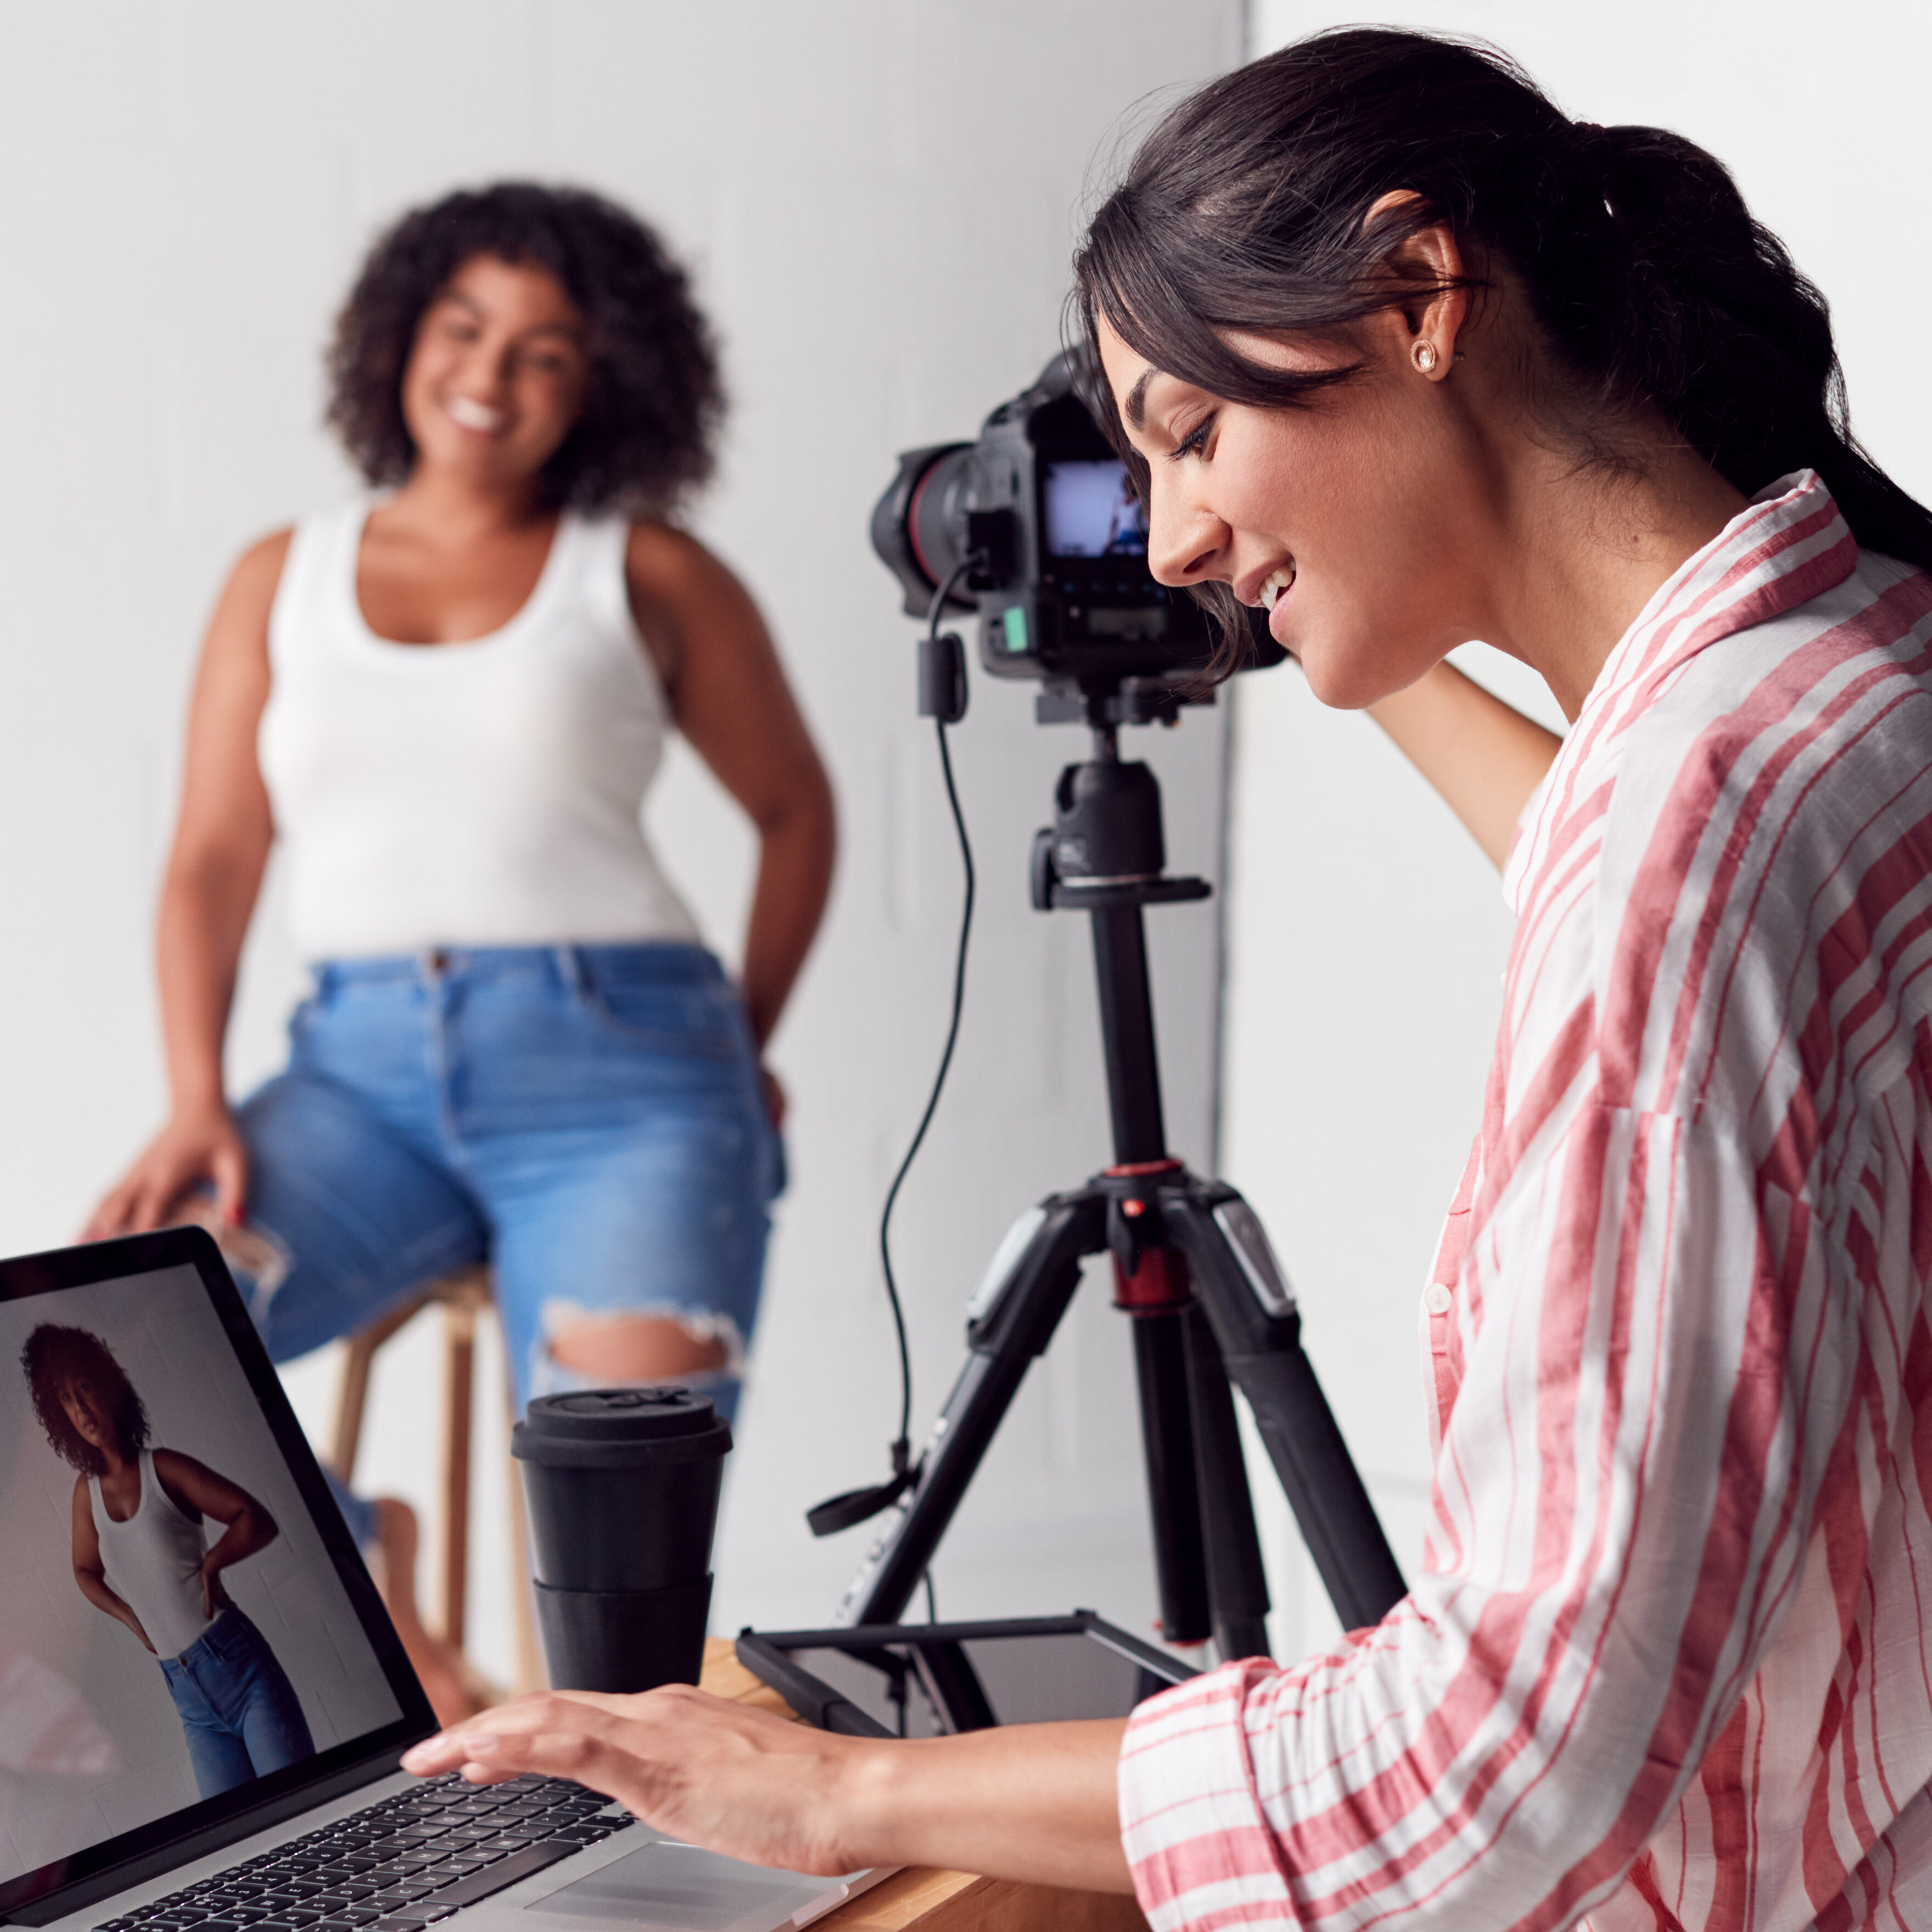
(140,1557)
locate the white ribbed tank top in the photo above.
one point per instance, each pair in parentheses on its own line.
(482,794)
(152,1563)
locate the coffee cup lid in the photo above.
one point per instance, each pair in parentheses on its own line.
(620,1425)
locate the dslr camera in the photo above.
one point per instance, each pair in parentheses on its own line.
(1039,529)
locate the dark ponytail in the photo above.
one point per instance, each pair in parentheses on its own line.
(1652,286)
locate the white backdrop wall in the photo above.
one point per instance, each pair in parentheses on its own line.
(878,200)
(1367,935)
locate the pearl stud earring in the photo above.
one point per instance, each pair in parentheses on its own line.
(1423,356)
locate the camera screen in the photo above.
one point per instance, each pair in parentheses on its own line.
(1092,511)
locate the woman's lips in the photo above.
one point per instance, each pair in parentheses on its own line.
(474,415)
(1274,596)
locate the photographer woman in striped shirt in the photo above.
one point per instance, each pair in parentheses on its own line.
(1408,357)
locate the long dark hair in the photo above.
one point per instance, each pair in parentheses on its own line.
(1651,285)
(649,427)
(53,1356)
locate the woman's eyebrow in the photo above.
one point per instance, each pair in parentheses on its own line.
(1136,402)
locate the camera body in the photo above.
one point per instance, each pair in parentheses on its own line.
(1057,537)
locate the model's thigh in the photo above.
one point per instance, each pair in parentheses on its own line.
(218,1757)
(267,1713)
(359,1214)
(613,1129)
(664,1215)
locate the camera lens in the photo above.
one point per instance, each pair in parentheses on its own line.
(919,526)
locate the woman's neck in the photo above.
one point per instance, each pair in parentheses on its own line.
(458,510)
(1579,554)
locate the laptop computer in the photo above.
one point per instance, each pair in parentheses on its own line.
(183,1754)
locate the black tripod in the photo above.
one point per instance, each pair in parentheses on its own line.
(1192,1267)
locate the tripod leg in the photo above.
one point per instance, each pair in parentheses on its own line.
(1239,1285)
(1237,1584)
(1173,1477)
(1010,1323)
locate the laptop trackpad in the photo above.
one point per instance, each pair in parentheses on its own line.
(672,1887)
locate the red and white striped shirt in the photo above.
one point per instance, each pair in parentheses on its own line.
(1666,1664)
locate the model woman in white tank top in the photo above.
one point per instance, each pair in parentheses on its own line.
(141,1556)
(444,702)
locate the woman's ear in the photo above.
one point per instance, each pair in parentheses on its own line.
(1429,263)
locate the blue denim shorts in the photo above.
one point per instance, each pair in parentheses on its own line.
(587,1119)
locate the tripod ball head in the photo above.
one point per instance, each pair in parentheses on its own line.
(1106,824)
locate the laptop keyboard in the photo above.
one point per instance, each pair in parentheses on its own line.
(398,1866)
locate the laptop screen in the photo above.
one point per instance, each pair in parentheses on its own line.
(186,1629)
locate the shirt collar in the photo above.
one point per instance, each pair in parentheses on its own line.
(1789,544)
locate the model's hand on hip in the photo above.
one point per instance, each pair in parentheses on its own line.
(693,1766)
(194,1150)
(777,1101)
(214,1597)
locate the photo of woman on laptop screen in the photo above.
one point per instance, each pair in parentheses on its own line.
(140,1557)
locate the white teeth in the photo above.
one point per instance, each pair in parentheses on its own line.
(474,415)
(1279,581)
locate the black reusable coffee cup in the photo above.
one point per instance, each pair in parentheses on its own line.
(622,1487)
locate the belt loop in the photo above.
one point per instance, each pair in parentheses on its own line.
(570,967)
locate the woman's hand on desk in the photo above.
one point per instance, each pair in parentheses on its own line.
(1036,1802)
(194,1150)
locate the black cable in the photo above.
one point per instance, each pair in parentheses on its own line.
(902,1448)
(855,1506)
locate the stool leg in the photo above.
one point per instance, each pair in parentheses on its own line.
(354,1396)
(459,1358)
(350,1404)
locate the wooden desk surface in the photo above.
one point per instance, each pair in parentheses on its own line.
(936,1901)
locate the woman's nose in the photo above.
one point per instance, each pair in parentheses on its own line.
(486,370)
(1184,543)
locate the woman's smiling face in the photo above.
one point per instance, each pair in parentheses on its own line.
(496,376)
(1366,501)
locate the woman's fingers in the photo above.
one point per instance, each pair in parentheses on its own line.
(158,1193)
(110,1214)
(546,1711)
(556,1735)
(229,1167)
(573,1753)
(740,1782)
(184,1155)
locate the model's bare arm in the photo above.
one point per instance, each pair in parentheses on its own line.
(732,702)
(1484,756)
(214,871)
(91,1573)
(1033,1802)
(194,1487)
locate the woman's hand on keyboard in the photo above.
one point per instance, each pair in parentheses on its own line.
(693,1766)
(1034,1802)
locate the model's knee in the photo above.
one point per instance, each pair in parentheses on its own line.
(634,1346)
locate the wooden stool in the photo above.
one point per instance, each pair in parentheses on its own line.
(463,1297)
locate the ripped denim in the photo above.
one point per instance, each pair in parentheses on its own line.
(587,1119)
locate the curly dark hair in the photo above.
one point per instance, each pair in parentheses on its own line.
(655,402)
(53,1356)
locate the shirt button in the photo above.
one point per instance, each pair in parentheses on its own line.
(1437,1299)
